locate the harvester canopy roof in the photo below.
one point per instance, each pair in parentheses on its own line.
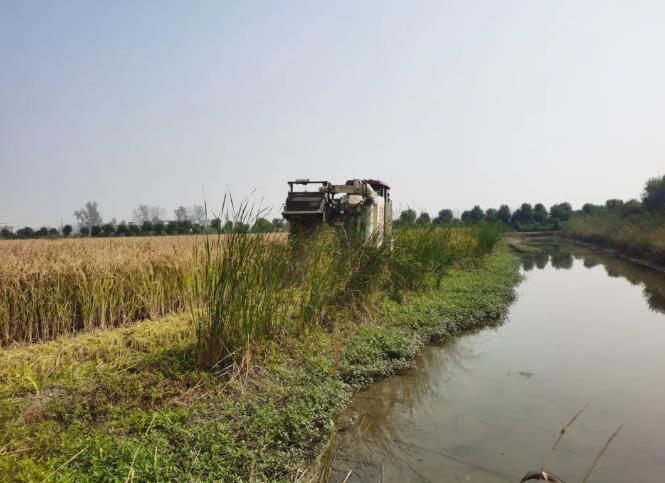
(377,182)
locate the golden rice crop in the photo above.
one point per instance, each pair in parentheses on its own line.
(54,287)
(50,288)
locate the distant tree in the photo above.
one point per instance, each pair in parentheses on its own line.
(180,214)
(25,232)
(491,215)
(95,230)
(171,227)
(89,215)
(407,217)
(197,228)
(524,214)
(262,225)
(228,226)
(444,216)
(67,230)
(141,213)
(122,229)
(423,219)
(653,197)
(147,227)
(197,214)
(472,216)
(632,207)
(561,211)
(134,229)
(240,227)
(158,227)
(108,229)
(84,231)
(613,204)
(148,213)
(184,226)
(53,232)
(590,208)
(42,232)
(278,224)
(216,224)
(504,214)
(6,233)
(540,213)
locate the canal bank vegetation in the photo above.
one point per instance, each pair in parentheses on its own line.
(244,384)
(636,227)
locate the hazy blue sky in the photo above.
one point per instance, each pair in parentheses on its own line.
(453,103)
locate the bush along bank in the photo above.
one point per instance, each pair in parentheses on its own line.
(142,403)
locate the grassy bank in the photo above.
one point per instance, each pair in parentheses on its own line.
(133,403)
(641,235)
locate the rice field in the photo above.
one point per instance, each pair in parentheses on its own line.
(53,287)
(239,288)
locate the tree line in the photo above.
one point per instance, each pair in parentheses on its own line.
(526,217)
(538,217)
(652,200)
(147,221)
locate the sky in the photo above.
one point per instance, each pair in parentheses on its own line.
(452,103)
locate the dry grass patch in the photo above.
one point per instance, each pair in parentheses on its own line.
(641,235)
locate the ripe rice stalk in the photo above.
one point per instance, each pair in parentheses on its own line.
(242,288)
(55,287)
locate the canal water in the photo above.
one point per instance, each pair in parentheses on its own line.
(587,331)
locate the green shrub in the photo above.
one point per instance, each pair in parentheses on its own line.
(654,194)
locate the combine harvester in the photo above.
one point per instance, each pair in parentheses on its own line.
(363,206)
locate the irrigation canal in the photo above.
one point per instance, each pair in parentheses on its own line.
(587,328)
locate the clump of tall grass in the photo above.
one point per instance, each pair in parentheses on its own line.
(240,291)
(249,288)
(421,255)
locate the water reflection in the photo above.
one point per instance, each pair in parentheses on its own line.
(487,406)
(383,438)
(563,256)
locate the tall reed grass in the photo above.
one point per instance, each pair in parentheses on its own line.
(239,292)
(249,288)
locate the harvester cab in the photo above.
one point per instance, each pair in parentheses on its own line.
(363,206)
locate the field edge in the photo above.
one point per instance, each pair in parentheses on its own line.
(131,403)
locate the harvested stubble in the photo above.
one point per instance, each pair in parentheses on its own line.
(54,287)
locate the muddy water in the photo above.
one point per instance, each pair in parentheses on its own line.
(587,328)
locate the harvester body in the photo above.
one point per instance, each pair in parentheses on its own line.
(363,206)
